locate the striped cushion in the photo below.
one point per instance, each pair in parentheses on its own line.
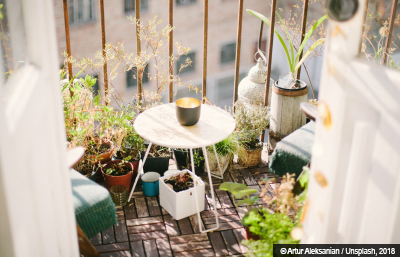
(94,209)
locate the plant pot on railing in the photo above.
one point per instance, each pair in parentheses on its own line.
(182,158)
(182,204)
(157,160)
(250,155)
(118,173)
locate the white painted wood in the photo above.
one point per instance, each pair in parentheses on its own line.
(360,154)
(36,213)
(286,116)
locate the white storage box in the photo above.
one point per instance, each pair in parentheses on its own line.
(182,204)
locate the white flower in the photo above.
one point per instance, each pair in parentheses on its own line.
(384,32)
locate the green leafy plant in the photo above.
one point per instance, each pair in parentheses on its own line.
(250,123)
(118,169)
(238,191)
(272,228)
(180,182)
(294,61)
(226,146)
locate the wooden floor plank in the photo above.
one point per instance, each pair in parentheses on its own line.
(261,170)
(188,239)
(150,247)
(154,208)
(112,247)
(171,226)
(185,226)
(137,249)
(191,246)
(237,176)
(121,233)
(226,225)
(96,240)
(196,253)
(144,221)
(164,248)
(141,207)
(130,210)
(108,236)
(218,244)
(146,228)
(211,220)
(230,242)
(224,199)
(221,212)
(147,236)
(117,254)
(120,212)
(211,202)
(240,235)
(194,221)
(248,177)
(227,176)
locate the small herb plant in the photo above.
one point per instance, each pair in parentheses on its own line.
(250,123)
(180,182)
(118,169)
(225,147)
(239,190)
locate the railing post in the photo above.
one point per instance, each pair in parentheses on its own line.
(67,40)
(205,36)
(171,49)
(389,38)
(103,46)
(138,74)
(303,31)
(238,45)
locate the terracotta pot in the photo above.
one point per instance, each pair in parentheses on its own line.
(134,160)
(124,180)
(105,157)
(250,235)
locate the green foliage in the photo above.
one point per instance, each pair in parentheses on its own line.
(239,190)
(293,61)
(226,146)
(250,123)
(197,158)
(272,229)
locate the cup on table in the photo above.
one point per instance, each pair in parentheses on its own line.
(119,195)
(188,111)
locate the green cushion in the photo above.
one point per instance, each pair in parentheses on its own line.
(293,152)
(94,209)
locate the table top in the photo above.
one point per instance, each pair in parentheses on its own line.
(160,126)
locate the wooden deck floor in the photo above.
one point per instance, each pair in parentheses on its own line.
(146,229)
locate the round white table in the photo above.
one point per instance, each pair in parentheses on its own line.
(160,126)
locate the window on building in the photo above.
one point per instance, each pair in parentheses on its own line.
(131,77)
(130,5)
(182,60)
(81,11)
(185,2)
(225,90)
(228,53)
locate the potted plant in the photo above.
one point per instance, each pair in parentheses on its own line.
(225,151)
(250,124)
(99,150)
(87,169)
(182,158)
(182,187)
(118,172)
(239,190)
(130,148)
(157,160)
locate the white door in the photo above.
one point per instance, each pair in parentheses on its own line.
(359,155)
(36,212)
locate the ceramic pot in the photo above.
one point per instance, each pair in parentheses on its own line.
(251,235)
(124,180)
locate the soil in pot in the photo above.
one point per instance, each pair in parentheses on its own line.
(182,157)
(87,169)
(180,182)
(157,160)
(130,155)
(251,235)
(99,150)
(117,173)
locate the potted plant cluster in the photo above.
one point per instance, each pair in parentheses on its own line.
(225,152)
(250,124)
(182,158)
(182,187)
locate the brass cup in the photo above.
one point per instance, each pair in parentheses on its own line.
(188,111)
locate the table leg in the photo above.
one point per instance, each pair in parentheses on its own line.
(140,171)
(220,176)
(212,193)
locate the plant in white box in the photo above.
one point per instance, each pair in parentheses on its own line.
(180,193)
